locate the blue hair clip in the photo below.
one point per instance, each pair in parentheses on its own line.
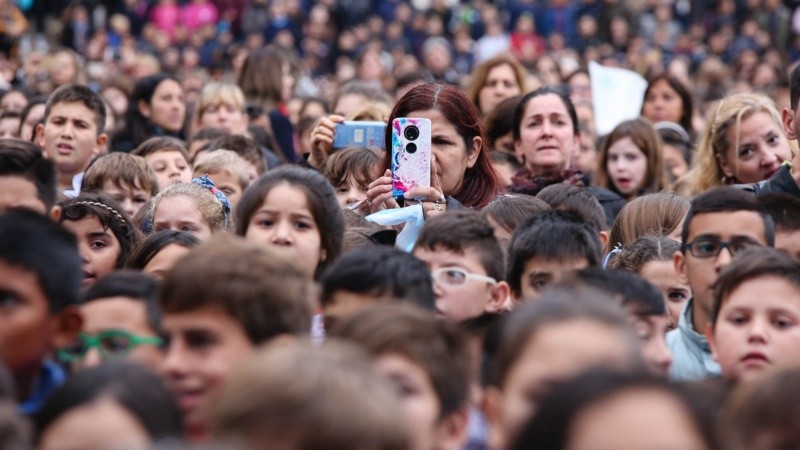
(617,249)
(206,182)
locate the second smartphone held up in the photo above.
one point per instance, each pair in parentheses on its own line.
(411,154)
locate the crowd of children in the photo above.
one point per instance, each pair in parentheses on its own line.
(190,262)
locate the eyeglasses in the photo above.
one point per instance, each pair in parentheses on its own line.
(453,276)
(111,343)
(708,247)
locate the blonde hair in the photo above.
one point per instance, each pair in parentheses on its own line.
(210,208)
(655,214)
(219,93)
(217,161)
(732,110)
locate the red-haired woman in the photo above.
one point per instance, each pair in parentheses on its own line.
(461,171)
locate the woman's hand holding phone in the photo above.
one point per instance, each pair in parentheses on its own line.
(431,197)
(322,140)
(379,193)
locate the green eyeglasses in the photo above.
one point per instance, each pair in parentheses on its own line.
(112,343)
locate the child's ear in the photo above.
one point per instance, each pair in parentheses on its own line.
(500,299)
(452,430)
(65,326)
(711,341)
(679,260)
(100,145)
(55,213)
(603,235)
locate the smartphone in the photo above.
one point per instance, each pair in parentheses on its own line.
(411,154)
(359,134)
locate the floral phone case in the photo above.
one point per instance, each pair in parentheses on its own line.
(411,154)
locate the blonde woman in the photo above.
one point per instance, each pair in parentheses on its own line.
(743,142)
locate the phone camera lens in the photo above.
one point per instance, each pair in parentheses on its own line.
(411,148)
(411,132)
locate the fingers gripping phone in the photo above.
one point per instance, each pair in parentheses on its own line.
(411,154)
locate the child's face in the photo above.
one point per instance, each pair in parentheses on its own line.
(180,213)
(620,422)
(9,128)
(417,395)
(170,168)
(539,273)
(350,194)
(652,333)
(24,320)
(701,273)
(71,138)
(229,185)
(203,347)
(758,328)
(120,313)
(226,116)
(555,353)
(285,223)
(457,302)
(98,246)
(17,192)
(130,198)
(164,260)
(676,293)
(626,167)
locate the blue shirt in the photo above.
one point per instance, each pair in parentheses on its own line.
(691,354)
(50,377)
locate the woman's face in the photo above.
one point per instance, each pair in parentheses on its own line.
(226,116)
(662,103)
(453,158)
(626,166)
(167,108)
(501,83)
(762,149)
(99,248)
(285,222)
(547,137)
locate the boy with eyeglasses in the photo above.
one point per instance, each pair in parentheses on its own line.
(121,319)
(467,265)
(720,224)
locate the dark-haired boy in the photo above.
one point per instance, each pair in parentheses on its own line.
(754,320)
(40,278)
(720,223)
(27,179)
(545,247)
(220,301)
(72,133)
(365,276)
(467,265)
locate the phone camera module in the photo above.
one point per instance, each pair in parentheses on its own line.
(411,132)
(411,148)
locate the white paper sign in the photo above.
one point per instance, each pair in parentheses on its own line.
(617,95)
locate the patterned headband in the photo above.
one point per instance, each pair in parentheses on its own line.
(113,211)
(206,182)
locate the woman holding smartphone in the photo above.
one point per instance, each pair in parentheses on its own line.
(461,171)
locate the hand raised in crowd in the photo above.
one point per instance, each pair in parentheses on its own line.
(379,194)
(322,139)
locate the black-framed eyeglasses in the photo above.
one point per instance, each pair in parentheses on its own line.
(110,343)
(709,247)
